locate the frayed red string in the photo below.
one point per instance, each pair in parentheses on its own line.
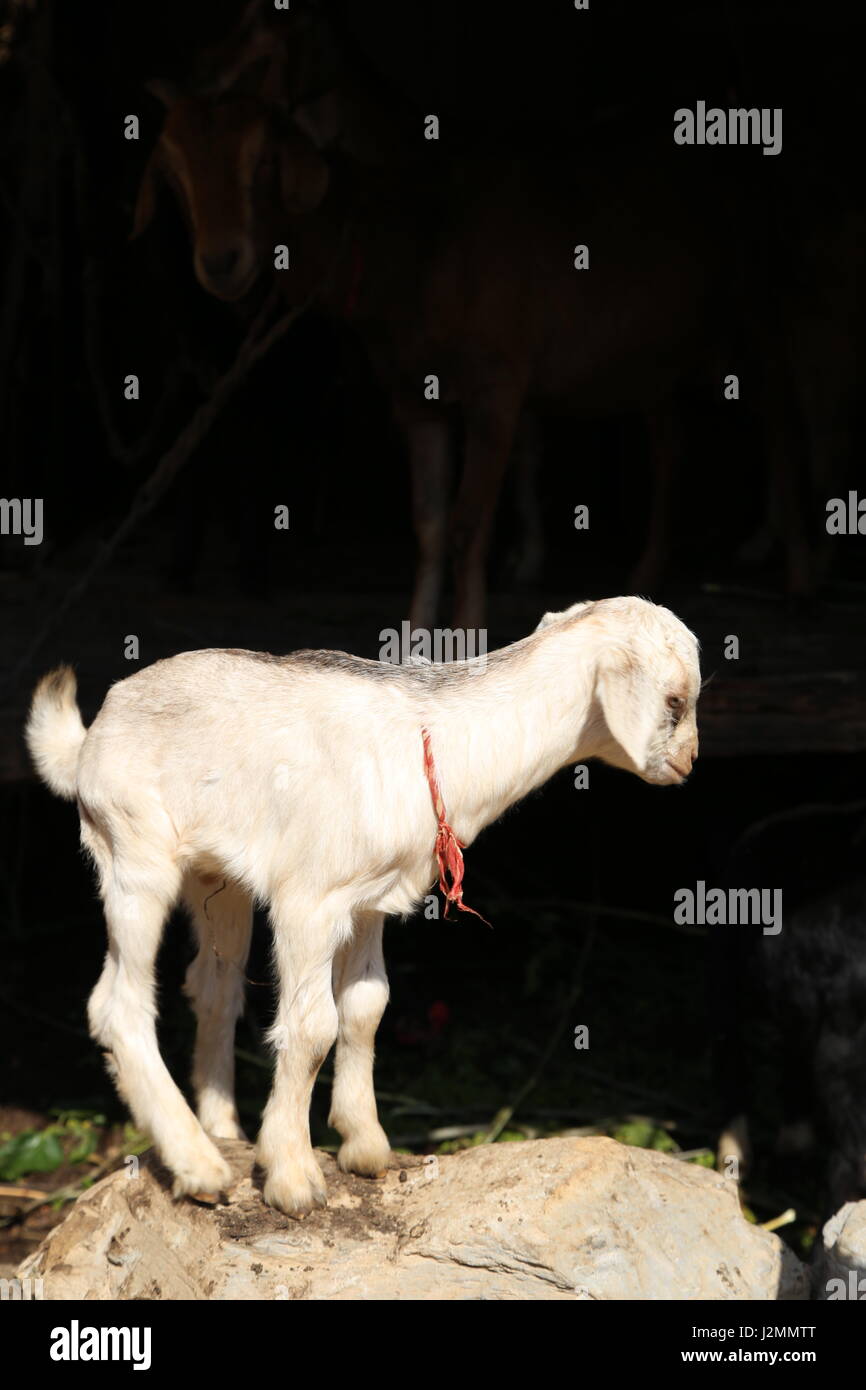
(449,850)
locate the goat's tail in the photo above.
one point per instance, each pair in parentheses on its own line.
(54,731)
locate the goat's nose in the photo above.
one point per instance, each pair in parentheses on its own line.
(220,267)
(686,758)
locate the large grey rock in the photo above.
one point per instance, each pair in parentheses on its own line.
(550,1219)
(840,1274)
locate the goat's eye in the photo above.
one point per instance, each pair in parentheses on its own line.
(676,704)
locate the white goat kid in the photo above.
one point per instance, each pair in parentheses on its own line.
(224,777)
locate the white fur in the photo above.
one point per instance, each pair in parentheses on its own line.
(221,777)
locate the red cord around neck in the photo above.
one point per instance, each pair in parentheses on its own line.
(449,850)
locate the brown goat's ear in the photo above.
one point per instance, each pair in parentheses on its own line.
(321,119)
(304,175)
(251,80)
(225,65)
(169,93)
(145,203)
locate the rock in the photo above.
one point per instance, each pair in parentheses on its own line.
(550,1219)
(841,1271)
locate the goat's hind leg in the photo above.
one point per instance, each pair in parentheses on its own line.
(122,1016)
(222,916)
(361,994)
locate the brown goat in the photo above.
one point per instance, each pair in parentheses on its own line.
(465,270)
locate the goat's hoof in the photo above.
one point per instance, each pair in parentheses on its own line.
(297,1195)
(369,1157)
(207,1180)
(295,1202)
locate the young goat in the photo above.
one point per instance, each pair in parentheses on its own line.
(221,777)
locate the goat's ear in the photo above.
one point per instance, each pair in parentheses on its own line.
(240,67)
(257,78)
(630,704)
(571,612)
(145,203)
(304,175)
(167,92)
(321,119)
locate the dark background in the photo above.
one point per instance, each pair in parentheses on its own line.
(579,886)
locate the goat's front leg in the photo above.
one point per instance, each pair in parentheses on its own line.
(491,421)
(302,1035)
(665,446)
(361,993)
(526,464)
(781,417)
(432,466)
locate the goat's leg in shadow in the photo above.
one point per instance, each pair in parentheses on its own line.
(527,557)
(432,466)
(491,423)
(787,468)
(829,407)
(665,448)
(222,916)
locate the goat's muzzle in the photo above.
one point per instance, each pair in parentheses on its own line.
(228,273)
(683,766)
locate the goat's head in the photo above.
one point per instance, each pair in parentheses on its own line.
(647,682)
(239,171)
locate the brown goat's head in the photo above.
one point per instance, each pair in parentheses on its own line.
(239,170)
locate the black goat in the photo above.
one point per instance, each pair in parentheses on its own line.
(808,983)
